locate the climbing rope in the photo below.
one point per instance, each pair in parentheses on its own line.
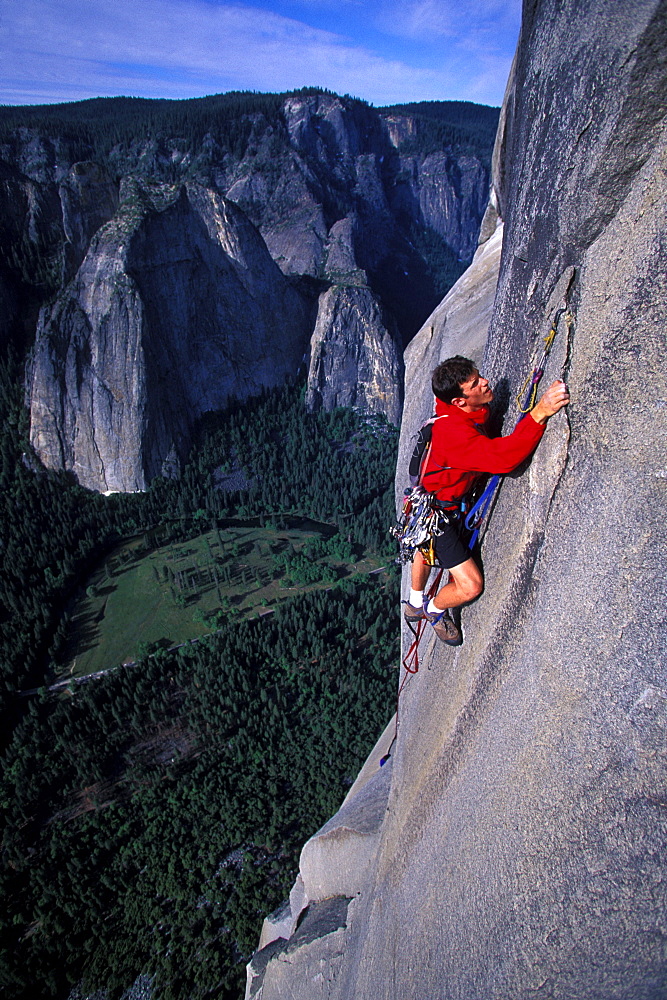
(525,400)
(411,658)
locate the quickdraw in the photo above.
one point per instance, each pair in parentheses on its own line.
(527,394)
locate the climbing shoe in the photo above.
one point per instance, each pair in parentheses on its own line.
(411,614)
(444,628)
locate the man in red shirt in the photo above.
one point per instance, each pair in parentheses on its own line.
(460,453)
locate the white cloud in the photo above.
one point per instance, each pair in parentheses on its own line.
(70,49)
(484,23)
(423,20)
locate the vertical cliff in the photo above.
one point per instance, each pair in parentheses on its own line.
(176,307)
(355,355)
(519,850)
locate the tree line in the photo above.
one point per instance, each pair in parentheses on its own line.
(461,126)
(91,129)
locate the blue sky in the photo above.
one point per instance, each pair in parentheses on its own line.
(387,51)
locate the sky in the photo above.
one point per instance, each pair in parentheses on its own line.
(383,51)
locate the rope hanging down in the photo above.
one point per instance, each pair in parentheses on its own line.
(525,400)
(411,660)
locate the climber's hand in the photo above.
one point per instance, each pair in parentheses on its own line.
(553,400)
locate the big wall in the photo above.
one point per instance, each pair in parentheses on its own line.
(521,853)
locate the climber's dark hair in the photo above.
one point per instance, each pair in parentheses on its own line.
(450,375)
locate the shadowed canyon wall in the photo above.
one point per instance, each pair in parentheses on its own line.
(517,849)
(177,307)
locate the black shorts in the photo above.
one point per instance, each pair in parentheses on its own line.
(451,547)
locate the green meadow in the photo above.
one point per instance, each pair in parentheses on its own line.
(147,596)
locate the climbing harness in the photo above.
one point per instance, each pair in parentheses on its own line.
(525,400)
(422,516)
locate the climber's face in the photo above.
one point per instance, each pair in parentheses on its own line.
(475,392)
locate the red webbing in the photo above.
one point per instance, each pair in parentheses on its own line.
(411,658)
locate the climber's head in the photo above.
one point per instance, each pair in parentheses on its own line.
(457,381)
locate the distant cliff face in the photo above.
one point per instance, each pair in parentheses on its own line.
(31,253)
(297,173)
(354,359)
(343,162)
(89,199)
(176,307)
(519,850)
(138,289)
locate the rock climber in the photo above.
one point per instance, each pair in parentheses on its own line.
(460,452)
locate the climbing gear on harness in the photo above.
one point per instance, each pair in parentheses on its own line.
(526,399)
(422,519)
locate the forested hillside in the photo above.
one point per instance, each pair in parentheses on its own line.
(92,129)
(459,125)
(154,814)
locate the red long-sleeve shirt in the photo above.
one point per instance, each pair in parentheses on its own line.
(461,451)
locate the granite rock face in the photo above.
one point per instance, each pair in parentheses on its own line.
(520,854)
(31,248)
(89,199)
(334,866)
(344,179)
(176,307)
(47,224)
(354,359)
(451,192)
(297,172)
(326,186)
(310,949)
(344,160)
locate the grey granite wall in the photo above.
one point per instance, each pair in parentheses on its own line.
(522,849)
